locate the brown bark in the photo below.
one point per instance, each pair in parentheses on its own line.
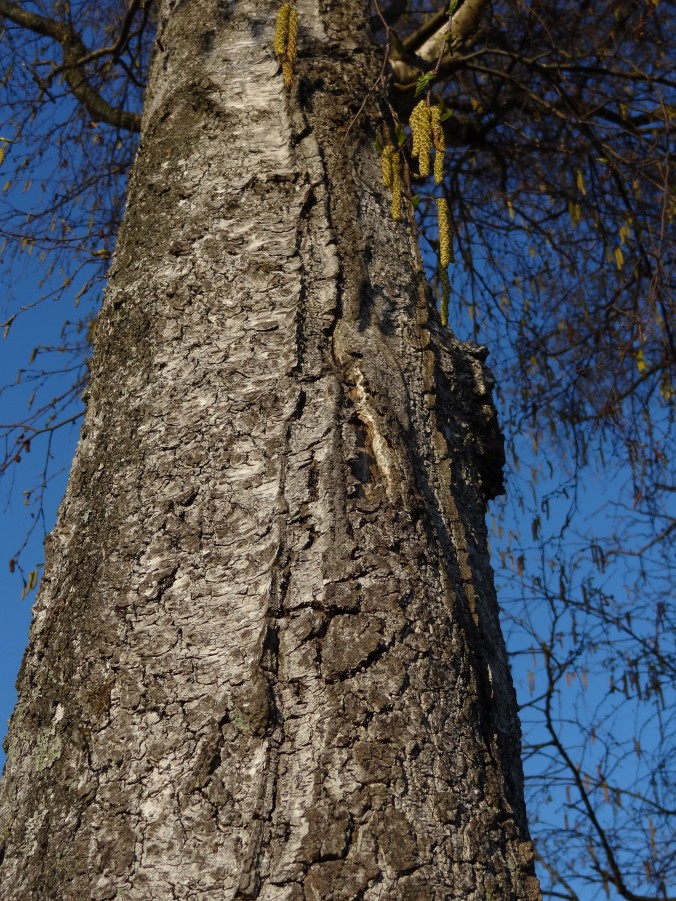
(266,659)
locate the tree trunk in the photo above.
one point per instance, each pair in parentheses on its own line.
(265,660)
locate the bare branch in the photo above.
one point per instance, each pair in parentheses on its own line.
(75,55)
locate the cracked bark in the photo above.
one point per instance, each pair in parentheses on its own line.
(265,660)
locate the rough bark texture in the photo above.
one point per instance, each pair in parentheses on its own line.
(266,659)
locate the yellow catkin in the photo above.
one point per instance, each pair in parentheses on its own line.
(292,42)
(439,168)
(415,131)
(445,236)
(282,29)
(445,283)
(439,143)
(396,188)
(386,159)
(421,129)
(286,40)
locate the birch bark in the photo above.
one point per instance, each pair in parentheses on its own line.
(265,660)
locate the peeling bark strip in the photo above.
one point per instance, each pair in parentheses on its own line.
(266,660)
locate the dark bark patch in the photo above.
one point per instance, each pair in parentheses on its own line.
(361,467)
(224,10)
(417,888)
(375,761)
(307,88)
(340,880)
(329,834)
(396,841)
(350,640)
(207,42)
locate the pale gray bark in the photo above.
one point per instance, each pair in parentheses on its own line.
(455,31)
(266,659)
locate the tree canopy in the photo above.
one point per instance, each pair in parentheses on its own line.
(558,179)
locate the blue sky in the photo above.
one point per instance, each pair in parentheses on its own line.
(17,518)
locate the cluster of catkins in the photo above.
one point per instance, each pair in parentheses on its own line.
(427,133)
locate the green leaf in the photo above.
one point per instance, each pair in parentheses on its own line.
(415,200)
(423,83)
(400,133)
(378,146)
(446,115)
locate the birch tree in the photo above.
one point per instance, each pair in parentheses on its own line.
(265,660)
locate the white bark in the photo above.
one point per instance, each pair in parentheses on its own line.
(455,31)
(265,660)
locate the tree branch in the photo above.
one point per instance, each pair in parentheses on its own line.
(75,55)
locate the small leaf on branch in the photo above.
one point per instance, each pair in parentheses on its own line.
(423,83)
